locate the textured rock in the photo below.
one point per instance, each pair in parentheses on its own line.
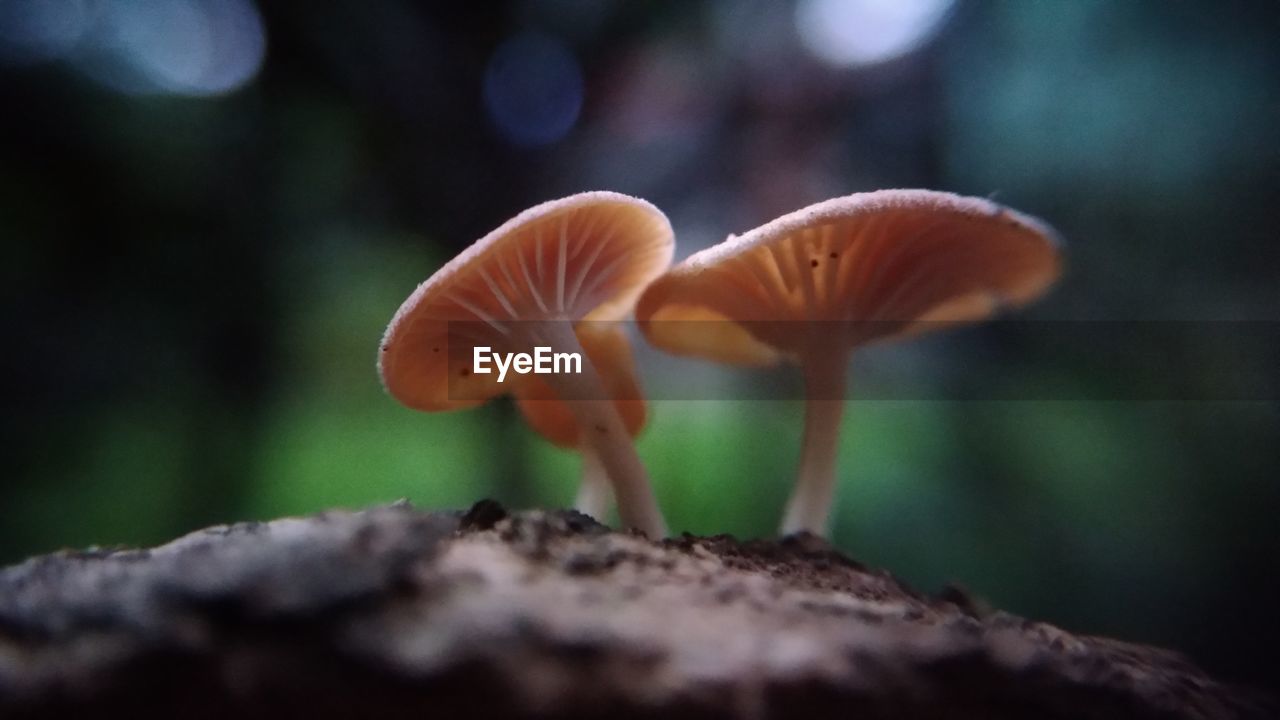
(392,612)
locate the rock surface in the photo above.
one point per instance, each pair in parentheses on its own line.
(393,612)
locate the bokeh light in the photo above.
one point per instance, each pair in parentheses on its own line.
(533,89)
(848,33)
(33,31)
(142,47)
(180,47)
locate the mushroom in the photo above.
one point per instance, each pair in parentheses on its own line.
(607,347)
(525,286)
(813,285)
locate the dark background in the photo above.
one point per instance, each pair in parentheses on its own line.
(210,210)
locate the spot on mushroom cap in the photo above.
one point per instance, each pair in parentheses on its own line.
(583,257)
(869,267)
(609,351)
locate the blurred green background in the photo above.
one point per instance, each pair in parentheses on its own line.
(210,210)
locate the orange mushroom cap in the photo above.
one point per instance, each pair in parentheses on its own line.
(584,257)
(607,347)
(869,267)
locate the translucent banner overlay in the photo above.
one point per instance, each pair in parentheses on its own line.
(1009,360)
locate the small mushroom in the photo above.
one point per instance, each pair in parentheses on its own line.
(607,347)
(813,285)
(525,286)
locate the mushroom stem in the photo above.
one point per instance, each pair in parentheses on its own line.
(809,508)
(593,494)
(603,431)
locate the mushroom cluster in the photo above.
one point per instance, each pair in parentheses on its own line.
(524,286)
(813,285)
(806,288)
